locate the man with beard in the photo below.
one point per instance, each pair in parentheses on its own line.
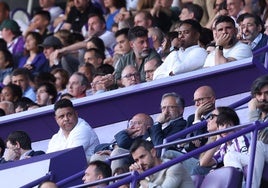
(258,106)
(145,158)
(140,54)
(228,48)
(189,57)
(252,29)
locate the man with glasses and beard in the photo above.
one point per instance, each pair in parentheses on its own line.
(228,48)
(140,54)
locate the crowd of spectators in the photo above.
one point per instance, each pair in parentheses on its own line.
(92,47)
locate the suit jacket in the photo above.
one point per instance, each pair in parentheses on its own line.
(189,147)
(158,134)
(35,153)
(263,42)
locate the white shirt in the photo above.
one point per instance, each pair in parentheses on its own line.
(238,51)
(81,135)
(182,61)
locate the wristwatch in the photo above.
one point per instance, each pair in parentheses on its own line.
(219,47)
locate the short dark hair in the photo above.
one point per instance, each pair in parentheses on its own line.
(22,138)
(97,42)
(21,71)
(102,168)
(196,9)
(63,103)
(98,53)
(101,17)
(45,14)
(195,25)
(51,90)
(257,19)
(123,31)
(258,84)
(15,90)
(137,31)
(139,142)
(228,116)
(8,57)
(227,19)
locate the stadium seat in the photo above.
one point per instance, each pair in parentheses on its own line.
(225,177)
(22,17)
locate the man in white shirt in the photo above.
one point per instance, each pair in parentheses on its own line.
(228,48)
(73,132)
(189,57)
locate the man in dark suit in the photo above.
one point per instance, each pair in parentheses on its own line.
(252,28)
(18,146)
(204,99)
(170,120)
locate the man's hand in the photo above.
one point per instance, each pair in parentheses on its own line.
(203,109)
(163,117)
(11,154)
(223,39)
(253,104)
(136,167)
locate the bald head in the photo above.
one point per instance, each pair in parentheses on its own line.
(203,95)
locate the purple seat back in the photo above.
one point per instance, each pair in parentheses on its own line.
(225,177)
(265,172)
(197,179)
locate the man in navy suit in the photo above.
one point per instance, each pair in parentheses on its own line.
(170,120)
(18,146)
(252,32)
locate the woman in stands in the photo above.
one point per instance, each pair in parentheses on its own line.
(11,92)
(113,8)
(34,60)
(220,154)
(6,63)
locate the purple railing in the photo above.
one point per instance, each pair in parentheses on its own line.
(34,183)
(246,129)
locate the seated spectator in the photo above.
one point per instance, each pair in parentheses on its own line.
(97,86)
(238,145)
(170,120)
(19,147)
(8,107)
(34,59)
(89,71)
(97,170)
(140,54)
(4,8)
(130,76)
(11,92)
(94,56)
(138,127)
(54,11)
(62,78)
(67,62)
(113,7)
(77,85)
(189,57)
(46,94)
(252,32)
(23,104)
(11,33)
(6,64)
(191,11)
(40,23)
(228,48)
(73,131)
(145,157)
(21,78)
(149,68)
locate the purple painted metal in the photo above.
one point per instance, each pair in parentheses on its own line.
(121,104)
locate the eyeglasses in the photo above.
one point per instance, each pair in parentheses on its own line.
(133,123)
(201,100)
(211,116)
(136,75)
